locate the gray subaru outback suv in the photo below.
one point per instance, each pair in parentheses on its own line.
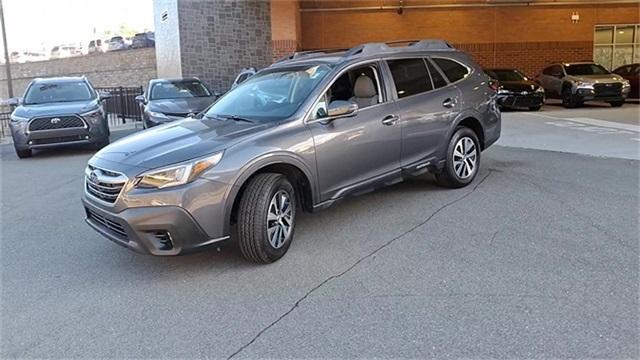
(302,134)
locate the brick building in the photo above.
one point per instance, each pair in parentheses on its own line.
(526,34)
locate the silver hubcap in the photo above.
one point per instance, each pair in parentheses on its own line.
(464,158)
(279,219)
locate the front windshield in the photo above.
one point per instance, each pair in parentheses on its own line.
(585,69)
(178,90)
(271,95)
(507,75)
(58,92)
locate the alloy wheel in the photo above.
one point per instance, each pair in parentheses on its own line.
(465,157)
(279,219)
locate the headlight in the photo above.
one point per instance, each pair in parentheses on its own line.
(540,89)
(503,91)
(94,117)
(157,114)
(17,118)
(625,83)
(178,174)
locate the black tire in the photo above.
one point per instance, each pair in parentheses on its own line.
(618,103)
(253,237)
(24,153)
(449,177)
(534,108)
(568,99)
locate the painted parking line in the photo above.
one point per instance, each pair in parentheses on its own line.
(595,122)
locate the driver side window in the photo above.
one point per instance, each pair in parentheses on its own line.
(359,85)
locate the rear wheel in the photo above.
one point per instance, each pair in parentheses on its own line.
(617,103)
(266,218)
(463,159)
(24,153)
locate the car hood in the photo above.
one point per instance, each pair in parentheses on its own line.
(604,79)
(180,106)
(519,86)
(177,141)
(54,109)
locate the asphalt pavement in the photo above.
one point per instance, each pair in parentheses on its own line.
(537,258)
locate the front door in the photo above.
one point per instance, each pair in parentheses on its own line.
(353,151)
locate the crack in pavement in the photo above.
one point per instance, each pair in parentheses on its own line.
(367,256)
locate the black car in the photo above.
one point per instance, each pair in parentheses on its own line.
(516,90)
(167,100)
(58,111)
(143,40)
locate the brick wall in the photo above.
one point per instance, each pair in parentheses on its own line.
(121,68)
(526,37)
(220,37)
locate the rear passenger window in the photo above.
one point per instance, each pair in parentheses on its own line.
(452,69)
(410,76)
(438,80)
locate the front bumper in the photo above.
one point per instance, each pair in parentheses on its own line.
(157,230)
(515,100)
(23,139)
(602,93)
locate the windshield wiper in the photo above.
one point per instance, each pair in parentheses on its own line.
(236,118)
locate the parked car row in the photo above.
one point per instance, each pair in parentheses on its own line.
(573,83)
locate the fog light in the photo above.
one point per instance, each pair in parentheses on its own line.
(30,142)
(162,240)
(86,137)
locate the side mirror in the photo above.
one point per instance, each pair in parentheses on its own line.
(337,109)
(141,99)
(340,108)
(105,96)
(14,101)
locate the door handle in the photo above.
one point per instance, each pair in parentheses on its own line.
(390,120)
(448,103)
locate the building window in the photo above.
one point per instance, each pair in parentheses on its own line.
(616,45)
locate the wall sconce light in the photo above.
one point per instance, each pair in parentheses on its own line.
(400,8)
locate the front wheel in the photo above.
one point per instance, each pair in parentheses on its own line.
(617,103)
(463,159)
(568,99)
(266,218)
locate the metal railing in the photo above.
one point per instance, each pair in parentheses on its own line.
(5,117)
(122,107)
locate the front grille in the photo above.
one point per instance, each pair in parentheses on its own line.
(605,90)
(56,122)
(104,184)
(57,140)
(107,223)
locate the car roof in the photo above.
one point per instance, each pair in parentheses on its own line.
(363,52)
(155,81)
(60,79)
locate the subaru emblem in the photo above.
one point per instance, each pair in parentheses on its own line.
(55,120)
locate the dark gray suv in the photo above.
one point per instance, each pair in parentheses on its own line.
(302,134)
(58,111)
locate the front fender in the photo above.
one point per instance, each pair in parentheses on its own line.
(273,158)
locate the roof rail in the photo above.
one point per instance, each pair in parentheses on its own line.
(299,54)
(383,47)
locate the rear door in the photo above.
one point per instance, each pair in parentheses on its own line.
(426,102)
